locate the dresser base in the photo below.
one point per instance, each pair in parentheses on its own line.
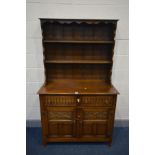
(108,141)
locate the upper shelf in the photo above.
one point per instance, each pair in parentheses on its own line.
(79,41)
(78,62)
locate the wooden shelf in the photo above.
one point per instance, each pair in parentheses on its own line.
(78,62)
(79,41)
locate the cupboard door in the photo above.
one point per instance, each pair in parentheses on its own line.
(61,121)
(96,122)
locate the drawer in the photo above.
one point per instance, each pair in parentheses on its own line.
(62,100)
(106,100)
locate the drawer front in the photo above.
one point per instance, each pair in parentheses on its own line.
(107,100)
(62,100)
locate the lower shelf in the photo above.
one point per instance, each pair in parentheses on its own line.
(88,139)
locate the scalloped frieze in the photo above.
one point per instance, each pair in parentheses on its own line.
(61,21)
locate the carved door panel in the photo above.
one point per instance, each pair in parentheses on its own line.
(61,121)
(96,122)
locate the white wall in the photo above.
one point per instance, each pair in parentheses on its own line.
(100,9)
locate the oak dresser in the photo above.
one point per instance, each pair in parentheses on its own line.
(78,100)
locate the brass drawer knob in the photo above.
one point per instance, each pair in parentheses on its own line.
(78,100)
(76,92)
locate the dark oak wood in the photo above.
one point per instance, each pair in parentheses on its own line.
(78,99)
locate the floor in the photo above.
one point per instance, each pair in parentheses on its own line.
(120,145)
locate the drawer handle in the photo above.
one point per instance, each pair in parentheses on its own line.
(78,100)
